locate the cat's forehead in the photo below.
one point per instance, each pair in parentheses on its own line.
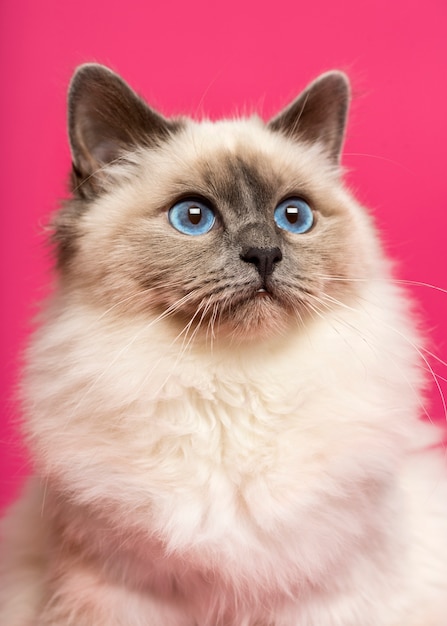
(236,162)
(238,178)
(246,148)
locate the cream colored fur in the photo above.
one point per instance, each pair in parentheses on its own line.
(204,479)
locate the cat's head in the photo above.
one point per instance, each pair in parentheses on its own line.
(233,228)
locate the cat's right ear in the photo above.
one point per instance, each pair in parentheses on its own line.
(318,115)
(106,119)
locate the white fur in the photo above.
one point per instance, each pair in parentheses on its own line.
(286,481)
(259,467)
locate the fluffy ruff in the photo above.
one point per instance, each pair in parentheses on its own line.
(215,445)
(240,486)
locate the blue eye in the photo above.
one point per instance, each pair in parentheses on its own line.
(191,217)
(294,215)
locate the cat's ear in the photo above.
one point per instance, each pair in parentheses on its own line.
(318,114)
(107,118)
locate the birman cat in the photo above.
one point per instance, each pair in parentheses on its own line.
(222,402)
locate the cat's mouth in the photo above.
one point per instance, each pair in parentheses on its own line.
(261,292)
(250,312)
(257,314)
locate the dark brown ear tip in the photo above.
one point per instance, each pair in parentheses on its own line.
(336,76)
(90,70)
(87,78)
(335,81)
(89,73)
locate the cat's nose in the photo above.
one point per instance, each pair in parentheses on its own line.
(263,258)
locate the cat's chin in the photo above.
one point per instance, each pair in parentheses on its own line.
(254,314)
(259,317)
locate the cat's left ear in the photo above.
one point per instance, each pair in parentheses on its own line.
(106,119)
(318,114)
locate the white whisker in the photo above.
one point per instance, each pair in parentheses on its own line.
(186,342)
(168,312)
(398,281)
(411,343)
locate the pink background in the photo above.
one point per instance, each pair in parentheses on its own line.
(220,59)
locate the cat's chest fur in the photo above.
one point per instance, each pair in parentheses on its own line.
(218,452)
(218,475)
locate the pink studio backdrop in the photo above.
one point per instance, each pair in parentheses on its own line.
(214,59)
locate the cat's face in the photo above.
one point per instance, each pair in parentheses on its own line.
(228,229)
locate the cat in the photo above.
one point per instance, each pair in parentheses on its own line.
(223,400)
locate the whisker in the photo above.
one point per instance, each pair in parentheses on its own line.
(399,281)
(133,296)
(410,342)
(379,158)
(350,327)
(121,159)
(364,338)
(436,358)
(210,326)
(183,348)
(169,311)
